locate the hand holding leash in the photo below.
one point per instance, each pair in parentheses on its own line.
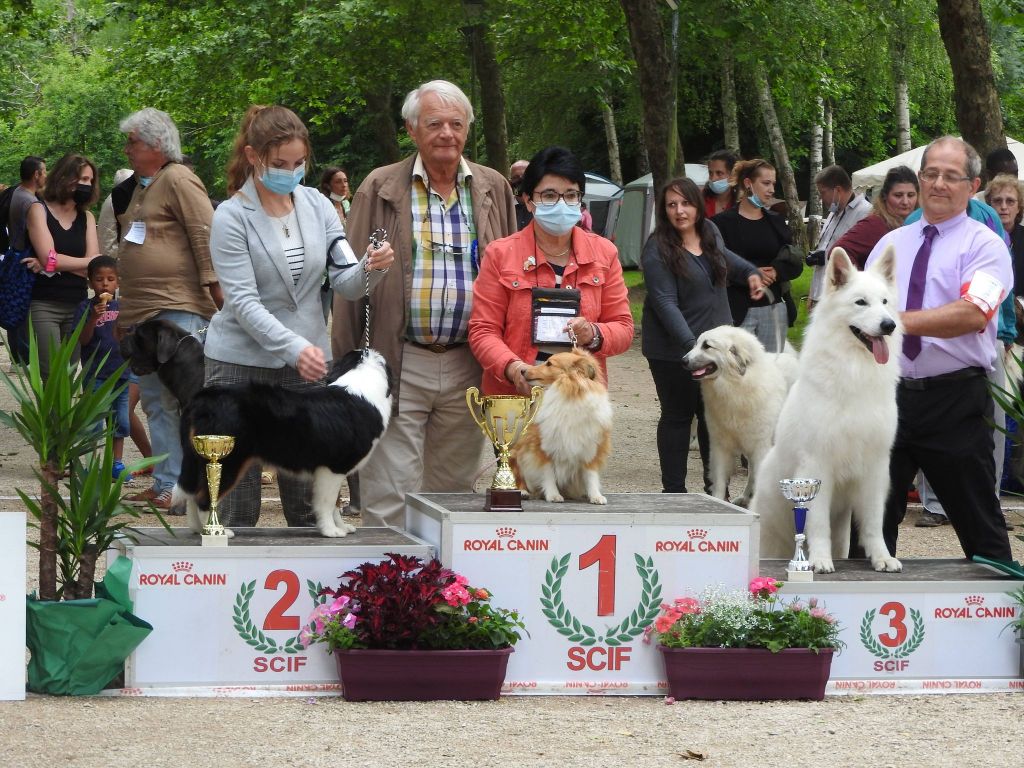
(378,244)
(311,364)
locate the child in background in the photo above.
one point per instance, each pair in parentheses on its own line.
(97,340)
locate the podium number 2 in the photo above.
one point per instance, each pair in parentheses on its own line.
(276,618)
(603,553)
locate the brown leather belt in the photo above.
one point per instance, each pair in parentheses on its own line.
(438,348)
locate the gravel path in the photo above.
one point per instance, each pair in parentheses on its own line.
(904,731)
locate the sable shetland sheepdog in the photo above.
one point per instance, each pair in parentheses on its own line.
(565,448)
(326,432)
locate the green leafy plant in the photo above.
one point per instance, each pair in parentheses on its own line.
(756,619)
(404,603)
(64,418)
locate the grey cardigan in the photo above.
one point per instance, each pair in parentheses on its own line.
(267,320)
(678,310)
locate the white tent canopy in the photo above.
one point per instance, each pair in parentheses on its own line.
(873,176)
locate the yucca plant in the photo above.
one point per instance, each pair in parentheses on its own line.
(60,417)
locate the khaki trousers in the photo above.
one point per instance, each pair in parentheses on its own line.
(432,444)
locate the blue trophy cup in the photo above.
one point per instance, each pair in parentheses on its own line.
(799,491)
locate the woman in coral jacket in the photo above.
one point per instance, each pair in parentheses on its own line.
(551,252)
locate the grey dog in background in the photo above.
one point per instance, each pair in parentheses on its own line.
(172,353)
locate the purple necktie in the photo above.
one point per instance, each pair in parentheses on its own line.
(915,291)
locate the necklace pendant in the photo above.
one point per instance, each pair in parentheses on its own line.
(286,232)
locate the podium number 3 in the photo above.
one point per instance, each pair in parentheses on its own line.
(897,614)
(276,617)
(603,553)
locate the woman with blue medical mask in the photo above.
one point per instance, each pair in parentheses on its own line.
(719,194)
(760,236)
(549,284)
(270,243)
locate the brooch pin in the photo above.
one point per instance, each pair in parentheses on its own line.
(529,264)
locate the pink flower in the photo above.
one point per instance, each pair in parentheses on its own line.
(482,594)
(472,619)
(763,586)
(460,579)
(670,700)
(818,613)
(664,622)
(349,621)
(305,637)
(687,605)
(812,601)
(338,605)
(796,607)
(647,634)
(455,595)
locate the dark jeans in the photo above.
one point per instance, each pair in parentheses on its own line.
(946,432)
(680,402)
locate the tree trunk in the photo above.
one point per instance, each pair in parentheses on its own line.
(654,72)
(730,120)
(829,146)
(48,532)
(898,52)
(378,104)
(492,98)
(813,200)
(611,138)
(86,574)
(965,35)
(778,142)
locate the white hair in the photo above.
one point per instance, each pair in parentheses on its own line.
(972,163)
(448,93)
(155,129)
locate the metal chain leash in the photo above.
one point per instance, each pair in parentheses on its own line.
(377,238)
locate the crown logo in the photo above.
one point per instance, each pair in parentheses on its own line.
(974,600)
(181,565)
(697,533)
(505,532)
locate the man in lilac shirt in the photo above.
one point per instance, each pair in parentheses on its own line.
(943,399)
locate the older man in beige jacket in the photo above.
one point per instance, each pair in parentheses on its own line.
(440,212)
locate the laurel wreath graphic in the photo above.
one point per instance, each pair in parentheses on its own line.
(576,631)
(255,637)
(867,637)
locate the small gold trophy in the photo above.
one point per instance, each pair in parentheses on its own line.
(213,448)
(503,419)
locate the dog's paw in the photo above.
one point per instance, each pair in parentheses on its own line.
(555,497)
(823,565)
(886,564)
(742,501)
(333,531)
(229,533)
(598,499)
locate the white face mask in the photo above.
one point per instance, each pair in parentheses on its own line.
(337,198)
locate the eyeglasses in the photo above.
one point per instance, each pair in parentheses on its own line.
(931,176)
(549,197)
(994,201)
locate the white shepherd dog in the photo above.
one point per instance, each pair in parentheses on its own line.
(743,388)
(838,423)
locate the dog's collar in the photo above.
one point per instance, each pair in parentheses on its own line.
(197,335)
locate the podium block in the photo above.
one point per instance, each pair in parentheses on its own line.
(589,579)
(12,605)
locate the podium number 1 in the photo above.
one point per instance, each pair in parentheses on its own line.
(603,553)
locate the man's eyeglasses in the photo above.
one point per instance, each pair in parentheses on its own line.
(931,176)
(549,197)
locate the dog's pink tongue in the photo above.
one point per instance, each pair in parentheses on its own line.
(880,349)
(698,372)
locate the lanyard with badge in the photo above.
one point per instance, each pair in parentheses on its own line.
(552,309)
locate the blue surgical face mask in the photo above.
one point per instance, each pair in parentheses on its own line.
(281,181)
(557,219)
(753,199)
(145,181)
(718,186)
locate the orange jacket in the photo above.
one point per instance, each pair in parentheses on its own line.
(501,324)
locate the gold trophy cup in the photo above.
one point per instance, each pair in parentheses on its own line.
(503,419)
(213,448)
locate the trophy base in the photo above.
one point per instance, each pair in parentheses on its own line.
(799,575)
(214,540)
(503,500)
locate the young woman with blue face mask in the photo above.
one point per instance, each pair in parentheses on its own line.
(758,235)
(551,252)
(718,192)
(270,244)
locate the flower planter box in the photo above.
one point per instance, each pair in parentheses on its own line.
(746,673)
(374,675)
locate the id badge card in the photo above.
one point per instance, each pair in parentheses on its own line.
(552,310)
(136,233)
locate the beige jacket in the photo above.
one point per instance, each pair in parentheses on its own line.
(384,199)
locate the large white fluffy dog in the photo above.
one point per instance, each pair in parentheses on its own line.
(743,388)
(839,420)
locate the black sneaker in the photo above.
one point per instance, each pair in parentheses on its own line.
(931,520)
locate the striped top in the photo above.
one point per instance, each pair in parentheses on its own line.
(444,258)
(291,240)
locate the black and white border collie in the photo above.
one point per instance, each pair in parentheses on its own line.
(326,432)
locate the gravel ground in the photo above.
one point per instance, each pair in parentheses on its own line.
(903,731)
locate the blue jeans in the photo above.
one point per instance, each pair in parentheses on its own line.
(162,411)
(119,408)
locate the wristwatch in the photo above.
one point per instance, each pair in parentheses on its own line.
(595,343)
